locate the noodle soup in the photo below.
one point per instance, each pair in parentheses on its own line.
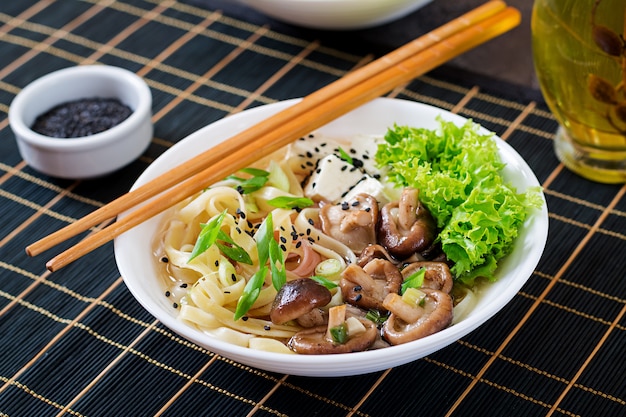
(313,251)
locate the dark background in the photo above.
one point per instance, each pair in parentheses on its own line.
(507,58)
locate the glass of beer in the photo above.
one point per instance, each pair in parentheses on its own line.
(580,60)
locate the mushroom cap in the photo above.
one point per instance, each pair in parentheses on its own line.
(406,226)
(353,222)
(367,286)
(437,276)
(437,314)
(374,251)
(296,298)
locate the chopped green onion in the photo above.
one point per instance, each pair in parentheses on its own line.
(250,293)
(329,268)
(277,265)
(415,280)
(208,235)
(339,333)
(248,185)
(345,156)
(255,172)
(324,281)
(277,177)
(376,317)
(263,237)
(252,184)
(414,297)
(234,251)
(288,202)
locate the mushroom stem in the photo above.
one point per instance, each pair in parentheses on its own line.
(336,317)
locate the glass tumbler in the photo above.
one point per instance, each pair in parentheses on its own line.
(580,60)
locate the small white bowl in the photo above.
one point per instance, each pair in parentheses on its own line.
(336,14)
(89,156)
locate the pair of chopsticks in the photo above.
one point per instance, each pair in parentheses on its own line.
(355,89)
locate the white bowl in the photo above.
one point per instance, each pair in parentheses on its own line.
(88,156)
(336,14)
(133,250)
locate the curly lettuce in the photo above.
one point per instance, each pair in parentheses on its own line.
(458,173)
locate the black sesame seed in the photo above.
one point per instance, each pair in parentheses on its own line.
(368,209)
(345,206)
(233,277)
(309,154)
(283,239)
(358,297)
(284,248)
(164,259)
(357,288)
(244,318)
(267,327)
(311,222)
(298,244)
(167,293)
(175,305)
(83,117)
(217,263)
(355,203)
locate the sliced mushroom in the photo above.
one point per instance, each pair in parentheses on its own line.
(297,298)
(318,341)
(374,252)
(315,317)
(406,226)
(434,315)
(436,277)
(367,286)
(352,222)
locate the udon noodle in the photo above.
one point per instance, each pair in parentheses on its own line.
(208,287)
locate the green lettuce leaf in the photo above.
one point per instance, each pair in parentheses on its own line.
(457,171)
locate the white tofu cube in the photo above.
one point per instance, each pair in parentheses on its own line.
(368,185)
(332,178)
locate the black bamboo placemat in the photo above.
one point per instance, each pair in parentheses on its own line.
(75,342)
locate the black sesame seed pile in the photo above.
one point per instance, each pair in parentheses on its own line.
(81,118)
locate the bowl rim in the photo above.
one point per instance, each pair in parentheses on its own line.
(116,74)
(332,365)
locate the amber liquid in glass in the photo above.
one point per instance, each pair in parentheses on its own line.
(580,60)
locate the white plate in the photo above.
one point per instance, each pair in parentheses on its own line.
(138,268)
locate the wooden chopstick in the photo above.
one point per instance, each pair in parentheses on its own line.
(333,107)
(243,139)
